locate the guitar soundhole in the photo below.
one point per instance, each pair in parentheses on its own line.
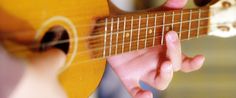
(56,37)
(202,2)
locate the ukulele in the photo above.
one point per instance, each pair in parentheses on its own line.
(88,33)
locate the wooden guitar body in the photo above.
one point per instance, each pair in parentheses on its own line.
(29,20)
(26,25)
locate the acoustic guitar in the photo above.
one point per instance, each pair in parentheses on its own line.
(88,32)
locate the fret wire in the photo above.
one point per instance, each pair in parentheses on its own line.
(189,24)
(167,15)
(199,22)
(155,23)
(117,34)
(100,57)
(202,19)
(100,48)
(173,20)
(193,29)
(145,44)
(123,35)
(139,24)
(105,39)
(180,27)
(162,16)
(111,37)
(97,58)
(131,33)
(103,35)
(142,39)
(163,29)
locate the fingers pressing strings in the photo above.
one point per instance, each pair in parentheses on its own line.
(174,50)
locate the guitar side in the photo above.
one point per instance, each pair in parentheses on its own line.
(29,20)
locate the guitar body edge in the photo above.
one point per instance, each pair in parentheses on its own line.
(29,20)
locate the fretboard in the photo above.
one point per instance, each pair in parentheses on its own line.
(125,33)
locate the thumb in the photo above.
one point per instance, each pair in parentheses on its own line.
(48,62)
(41,76)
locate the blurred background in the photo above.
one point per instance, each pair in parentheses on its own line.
(216,79)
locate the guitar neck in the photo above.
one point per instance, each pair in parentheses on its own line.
(125,33)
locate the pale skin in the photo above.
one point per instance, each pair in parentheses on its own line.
(40,77)
(154,66)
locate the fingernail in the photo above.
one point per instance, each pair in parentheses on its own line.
(172,36)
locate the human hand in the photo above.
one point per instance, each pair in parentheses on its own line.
(154,66)
(40,77)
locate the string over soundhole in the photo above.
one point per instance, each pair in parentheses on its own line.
(55,37)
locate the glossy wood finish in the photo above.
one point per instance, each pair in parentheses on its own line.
(130,32)
(24,22)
